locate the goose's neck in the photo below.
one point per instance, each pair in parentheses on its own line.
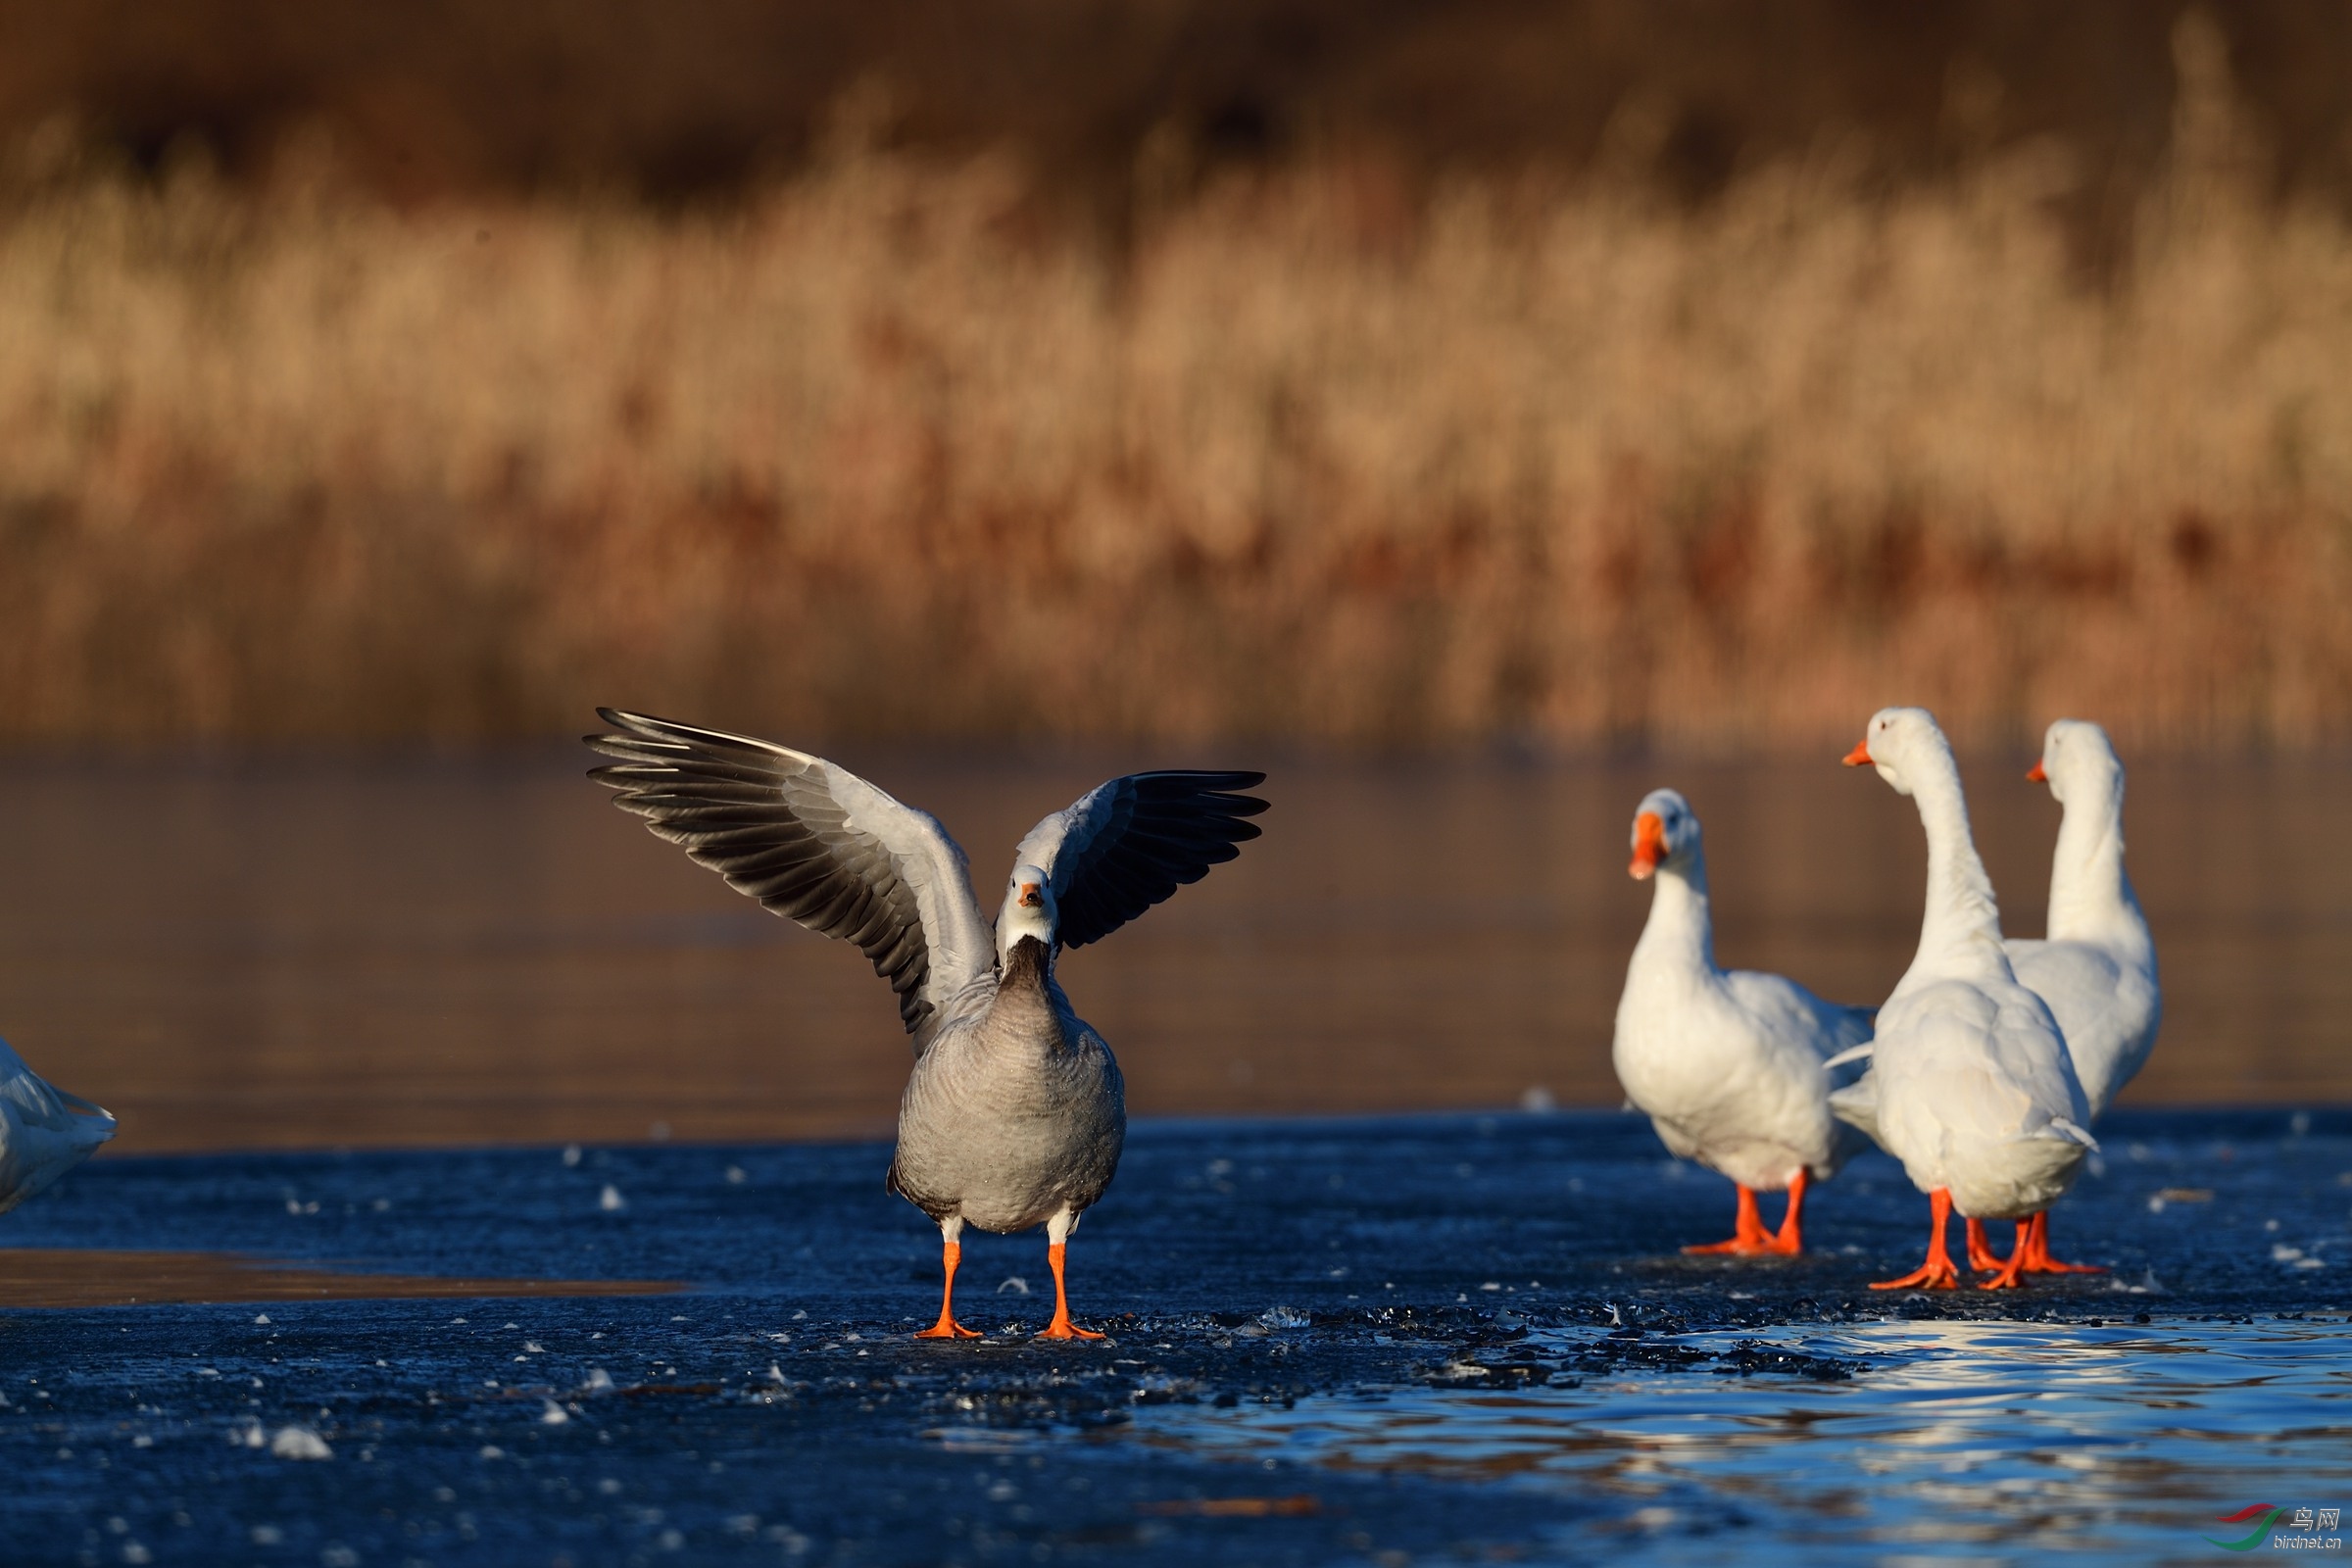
(1961,932)
(2090,895)
(1026,990)
(1679,935)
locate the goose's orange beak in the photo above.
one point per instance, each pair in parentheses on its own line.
(1649,846)
(1030,896)
(1860,755)
(2037,777)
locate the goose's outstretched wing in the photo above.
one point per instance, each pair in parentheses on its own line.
(1130,842)
(812,842)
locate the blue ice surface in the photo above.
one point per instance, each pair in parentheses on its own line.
(1363,1340)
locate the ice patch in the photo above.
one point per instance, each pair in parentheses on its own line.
(299,1442)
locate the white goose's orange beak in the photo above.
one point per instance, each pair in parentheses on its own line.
(2037,777)
(1860,755)
(1031,897)
(1649,846)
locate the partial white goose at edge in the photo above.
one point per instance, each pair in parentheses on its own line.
(44,1131)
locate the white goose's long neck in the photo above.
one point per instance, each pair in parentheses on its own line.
(2090,895)
(1679,935)
(1961,933)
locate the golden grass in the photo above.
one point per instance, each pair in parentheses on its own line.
(889,449)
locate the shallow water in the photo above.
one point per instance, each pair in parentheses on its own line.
(415,949)
(1950,1441)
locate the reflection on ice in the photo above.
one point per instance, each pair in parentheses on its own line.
(1957,1436)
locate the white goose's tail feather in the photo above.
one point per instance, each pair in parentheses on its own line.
(1857,1106)
(2059,1130)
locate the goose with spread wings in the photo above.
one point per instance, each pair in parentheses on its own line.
(1014,1113)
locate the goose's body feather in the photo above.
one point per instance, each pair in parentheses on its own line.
(2097,968)
(1970,1090)
(1015,1113)
(2107,1003)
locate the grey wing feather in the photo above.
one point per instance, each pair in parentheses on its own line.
(812,842)
(1130,842)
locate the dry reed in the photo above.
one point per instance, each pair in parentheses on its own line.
(888,450)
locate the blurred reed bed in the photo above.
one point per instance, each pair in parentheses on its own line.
(888,447)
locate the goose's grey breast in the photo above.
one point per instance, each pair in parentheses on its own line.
(1012,1114)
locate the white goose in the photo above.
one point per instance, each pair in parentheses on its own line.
(2097,969)
(1970,1085)
(1728,1065)
(44,1132)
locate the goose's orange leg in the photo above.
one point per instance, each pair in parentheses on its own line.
(2036,1243)
(1791,1237)
(1061,1328)
(1748,1234)
(1058,1232)
(1938,1272)
(2005,1275)
(1981,1254)
(947,1328)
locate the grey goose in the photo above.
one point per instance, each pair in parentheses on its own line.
(1014,1113)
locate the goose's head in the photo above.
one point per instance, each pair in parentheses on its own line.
(1899,742)
(1029,909)
(1664,828)
(2077,762)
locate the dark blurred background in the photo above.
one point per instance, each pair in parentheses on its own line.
(1477,414)
(1702,372)
(699,101)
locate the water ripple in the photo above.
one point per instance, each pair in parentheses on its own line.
(1954,1438)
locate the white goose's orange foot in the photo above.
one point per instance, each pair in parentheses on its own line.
(1938,1272)
(1748,1234)
(2006,1277)
(1981,1255)
(1935,1274)
(2035,1240)
(1791,1239)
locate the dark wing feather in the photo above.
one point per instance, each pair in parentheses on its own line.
(1130,842)
(811,842)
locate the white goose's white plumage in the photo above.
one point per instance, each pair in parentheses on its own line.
(1970,1085)
(1729,1066)
(2097,968)
(1015,1112)
(44,1131)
